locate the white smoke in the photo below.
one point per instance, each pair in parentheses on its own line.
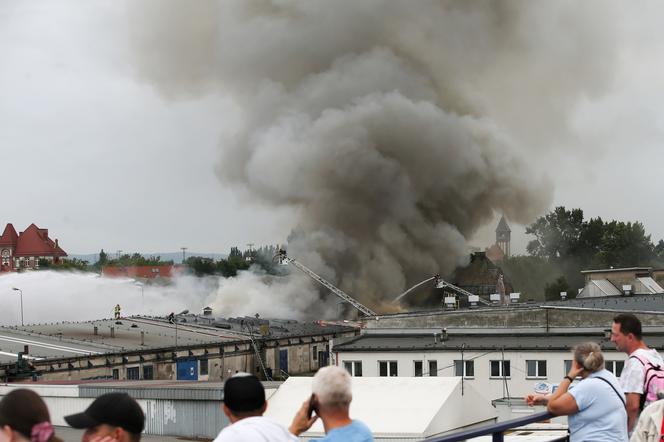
(251,293)
(393,129)
(50,296)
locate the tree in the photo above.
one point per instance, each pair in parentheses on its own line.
(68,264)
(563,238)
(136,259)
(557,234)
(201,266)
(553,289)
(625,244)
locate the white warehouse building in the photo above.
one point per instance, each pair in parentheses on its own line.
(498,363)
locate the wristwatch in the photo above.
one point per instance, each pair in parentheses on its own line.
(570,378)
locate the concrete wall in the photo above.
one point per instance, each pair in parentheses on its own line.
(509,318)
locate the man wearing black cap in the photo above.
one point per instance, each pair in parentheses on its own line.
(244,405)
(112,416)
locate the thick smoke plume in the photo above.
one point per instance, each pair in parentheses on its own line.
(394,129)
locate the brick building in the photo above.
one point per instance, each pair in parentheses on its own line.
(19,251)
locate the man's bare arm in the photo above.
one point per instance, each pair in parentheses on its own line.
(633,404)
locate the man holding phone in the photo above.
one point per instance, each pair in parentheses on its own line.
(244,405)
(331,388)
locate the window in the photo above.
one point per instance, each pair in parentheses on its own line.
(148,372)
(536,369)
(433,368)
(418,368)
(315,352)
(116,374)
(615,367)
(203,367)
(353,367)
(499,369)
(133,373)
(469,368)
(387,368)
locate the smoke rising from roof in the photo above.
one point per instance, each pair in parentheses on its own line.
(72,296)
(50,296)
(393,129)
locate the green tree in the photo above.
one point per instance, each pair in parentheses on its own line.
(557,234)
(625,244)
(136,259)
(564,239)
(67,264)
(201,266)
(552,290)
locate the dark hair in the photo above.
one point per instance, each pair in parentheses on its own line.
(22,409)
(629,324)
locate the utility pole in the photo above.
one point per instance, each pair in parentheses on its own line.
(183,253)
(21,293)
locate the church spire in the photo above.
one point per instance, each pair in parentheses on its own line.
(503,236)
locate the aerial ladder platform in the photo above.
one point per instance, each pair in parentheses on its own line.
(440,283)
(284,259)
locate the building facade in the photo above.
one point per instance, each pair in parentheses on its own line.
(496,364)
(24,250)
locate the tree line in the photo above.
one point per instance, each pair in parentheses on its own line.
(262,257)
(565,243)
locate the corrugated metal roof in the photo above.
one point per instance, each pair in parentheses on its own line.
(166,390)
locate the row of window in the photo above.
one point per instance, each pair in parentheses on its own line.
(133,373)
(497,368)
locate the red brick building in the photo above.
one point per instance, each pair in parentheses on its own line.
(23,250)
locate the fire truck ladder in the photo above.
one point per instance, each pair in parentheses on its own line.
(442,284)
(258,353)
(284,259)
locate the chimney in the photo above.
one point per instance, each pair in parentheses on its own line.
(56,243)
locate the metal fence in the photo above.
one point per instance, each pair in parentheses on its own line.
(497,431)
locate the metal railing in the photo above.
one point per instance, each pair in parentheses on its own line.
(497,430)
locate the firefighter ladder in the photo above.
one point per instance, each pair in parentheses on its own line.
(284,259)
(257,352)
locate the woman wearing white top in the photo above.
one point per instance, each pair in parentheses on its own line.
(596,405)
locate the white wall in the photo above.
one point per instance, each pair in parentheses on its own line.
(492,388)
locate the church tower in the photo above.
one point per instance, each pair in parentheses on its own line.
(503,236)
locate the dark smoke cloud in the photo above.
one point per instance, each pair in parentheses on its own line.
(394,129)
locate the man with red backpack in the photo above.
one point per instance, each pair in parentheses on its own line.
(643,374)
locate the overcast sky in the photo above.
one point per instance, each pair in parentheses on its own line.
(92,152)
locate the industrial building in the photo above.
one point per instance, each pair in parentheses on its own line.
(191,347)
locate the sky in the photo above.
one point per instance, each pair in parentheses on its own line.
(95,153)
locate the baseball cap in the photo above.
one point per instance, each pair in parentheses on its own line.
(244,392)
(115,409)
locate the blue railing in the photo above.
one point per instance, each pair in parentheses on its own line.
(497,431)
